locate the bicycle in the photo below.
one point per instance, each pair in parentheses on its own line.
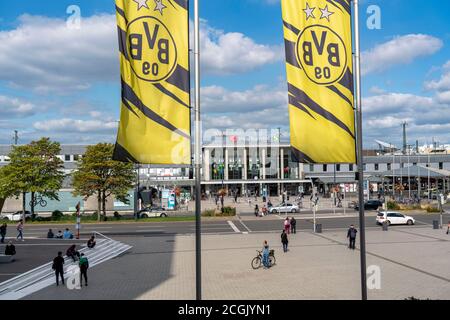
(257,261)
(38,200)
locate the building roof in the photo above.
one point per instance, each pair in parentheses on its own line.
(416,171)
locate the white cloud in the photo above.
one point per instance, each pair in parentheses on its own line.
(15,108)
(395,103)
(219,99)
(400,50)
(230,53)
(443,84)
(73,125)
(44,55)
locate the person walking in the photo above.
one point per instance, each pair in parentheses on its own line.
(58,266)
(448,227)
(256,210)
(287,225)
(3,229)
(293,225)
(284,240)
(20,230)
(265,255)
(351,235)
(84,265)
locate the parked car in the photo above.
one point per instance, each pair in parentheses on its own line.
(284,208)
(152,213)
(394,217)
(370,205)
(17,216)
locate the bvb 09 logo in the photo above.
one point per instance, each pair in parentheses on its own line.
(151,48)
(322,54)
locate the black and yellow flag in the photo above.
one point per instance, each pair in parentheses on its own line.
(154,61)
(319,66)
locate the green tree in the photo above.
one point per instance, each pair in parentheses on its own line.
(99,175)
(33,168)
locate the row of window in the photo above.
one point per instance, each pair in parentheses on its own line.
(337,167)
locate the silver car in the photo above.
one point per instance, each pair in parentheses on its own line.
(284,208)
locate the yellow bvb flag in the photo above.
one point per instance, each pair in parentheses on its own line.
(319,67)
(154,61)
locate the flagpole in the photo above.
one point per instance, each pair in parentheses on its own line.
(359,154)
(198,260)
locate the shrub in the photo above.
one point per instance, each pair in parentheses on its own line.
(432,209)
(392,205)
(209,213)
(229,211)
(117,215)
(57,215)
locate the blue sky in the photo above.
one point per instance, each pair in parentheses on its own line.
(64,83)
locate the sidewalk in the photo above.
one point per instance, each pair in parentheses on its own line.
(412,261)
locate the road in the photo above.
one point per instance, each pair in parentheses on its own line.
(273,223)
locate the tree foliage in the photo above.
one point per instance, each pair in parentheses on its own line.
(99,175)
(34,168)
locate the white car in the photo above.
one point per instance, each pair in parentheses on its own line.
(284,208)
(394,217)
(17,216)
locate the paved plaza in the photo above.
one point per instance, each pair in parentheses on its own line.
(414,261)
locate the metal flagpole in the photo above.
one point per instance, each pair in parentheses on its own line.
(198,259)
(359,153)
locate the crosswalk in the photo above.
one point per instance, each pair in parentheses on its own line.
(43,276)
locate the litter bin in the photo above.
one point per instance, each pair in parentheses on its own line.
(318,228)
(435,224)
(385,226)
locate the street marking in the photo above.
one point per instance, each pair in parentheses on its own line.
(233,226)
(248,229)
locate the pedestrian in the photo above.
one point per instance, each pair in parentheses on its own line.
(256,210)
(293,225)
(91,242)
(67,234)
(73,253)
(351,235)
(284,240)
(10,249)
(50,234)
(84,265)
(448,227)
(3,228)
(269,204)
(58,266)
(236,197)
(59,235)
(265,255)
(216,198)
(221,200)
(20,230)
(287,225)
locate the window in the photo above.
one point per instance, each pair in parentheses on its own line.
(389,166)
(350,167)
(338,167)
(402,165)
(75,157)
(376,167)
(67,157)
(311,168)
(441,165)
(365,166)
(325,167)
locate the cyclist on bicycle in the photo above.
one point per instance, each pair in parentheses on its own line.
(265,254)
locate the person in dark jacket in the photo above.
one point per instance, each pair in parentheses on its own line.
(50,234)
(351,235)
(284,240)
(3,228)
(73,253)
(293,225)
(84,265)
(256,210)
(91,242)
(10,249)
(58,266)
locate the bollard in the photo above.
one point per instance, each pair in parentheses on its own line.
(435,224)
(318,228)
(385,226)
